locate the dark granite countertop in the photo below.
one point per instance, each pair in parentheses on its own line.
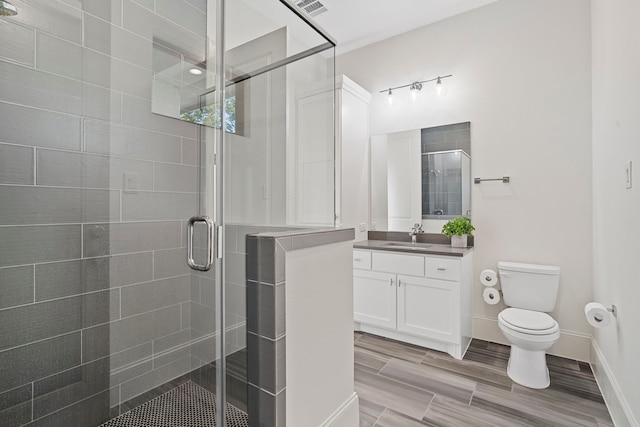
(407,247)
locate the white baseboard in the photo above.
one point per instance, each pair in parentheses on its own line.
(347,415)
(572,345)
(610,390)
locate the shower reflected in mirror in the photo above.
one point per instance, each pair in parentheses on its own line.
(420,175)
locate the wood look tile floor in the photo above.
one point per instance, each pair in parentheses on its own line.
(403,385)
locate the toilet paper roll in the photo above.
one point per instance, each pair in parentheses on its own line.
(491,296)
(597,315)
(488,277)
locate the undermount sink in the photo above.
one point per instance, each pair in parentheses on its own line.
(406,245)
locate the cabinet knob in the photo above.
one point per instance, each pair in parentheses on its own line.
(441,269)
(399,282)
(390,282)
(357,259)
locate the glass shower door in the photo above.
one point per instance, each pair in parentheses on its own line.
(113,135)
(278,160)
(99,312)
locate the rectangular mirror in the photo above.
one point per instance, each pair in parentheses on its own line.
(420,175)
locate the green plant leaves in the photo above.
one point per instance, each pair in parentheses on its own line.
(458,226)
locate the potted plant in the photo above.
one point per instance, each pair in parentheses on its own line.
(458,229)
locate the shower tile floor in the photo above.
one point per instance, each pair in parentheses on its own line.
(187,405)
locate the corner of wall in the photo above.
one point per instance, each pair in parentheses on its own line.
(619,409)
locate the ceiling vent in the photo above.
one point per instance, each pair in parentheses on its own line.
(312,7)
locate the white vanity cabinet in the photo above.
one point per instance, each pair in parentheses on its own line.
(421,299)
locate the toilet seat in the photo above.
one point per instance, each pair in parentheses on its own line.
(528,321)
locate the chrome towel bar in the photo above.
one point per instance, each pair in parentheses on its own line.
(504,179)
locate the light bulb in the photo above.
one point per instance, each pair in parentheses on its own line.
(439,86)
(390,97)
(195,71)
(414,90)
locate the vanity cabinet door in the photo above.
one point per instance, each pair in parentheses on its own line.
(374,298)
(429,307)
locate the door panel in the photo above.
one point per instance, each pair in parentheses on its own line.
(404,180)
(374,296)
(428,307)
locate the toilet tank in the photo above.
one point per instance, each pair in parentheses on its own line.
(529,286)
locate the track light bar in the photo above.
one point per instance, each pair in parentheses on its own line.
(416,85)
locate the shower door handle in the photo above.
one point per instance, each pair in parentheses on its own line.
(209,245)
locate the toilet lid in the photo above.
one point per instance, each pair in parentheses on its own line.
(534,322)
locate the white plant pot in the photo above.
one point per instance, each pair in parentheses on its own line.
(459,241)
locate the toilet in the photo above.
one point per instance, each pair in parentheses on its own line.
(530,292)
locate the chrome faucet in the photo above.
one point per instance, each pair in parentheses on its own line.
(417,228)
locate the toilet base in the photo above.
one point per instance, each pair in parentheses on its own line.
(528,368)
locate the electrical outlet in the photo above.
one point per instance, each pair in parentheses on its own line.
(363,226)
(628,182)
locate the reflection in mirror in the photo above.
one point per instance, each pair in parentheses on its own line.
(445,184)
(420,175)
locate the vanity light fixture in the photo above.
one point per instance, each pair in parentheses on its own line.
(416,87)
(7,9)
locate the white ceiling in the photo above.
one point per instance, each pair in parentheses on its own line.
(357,23)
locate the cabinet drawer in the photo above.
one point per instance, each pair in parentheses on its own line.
(442,268)
(398,263)
(362,260)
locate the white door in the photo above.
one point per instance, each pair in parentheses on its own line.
(379,183)
(255,151)
(374,298)
(352,205)
(315,166)
(404,182)
(429,307)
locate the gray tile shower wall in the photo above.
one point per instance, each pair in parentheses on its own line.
(447,137)
(96,304)
(237,321)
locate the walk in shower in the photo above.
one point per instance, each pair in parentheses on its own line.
(120,121)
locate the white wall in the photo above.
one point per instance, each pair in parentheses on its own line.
(522,76)
(616,134)
(319,324)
